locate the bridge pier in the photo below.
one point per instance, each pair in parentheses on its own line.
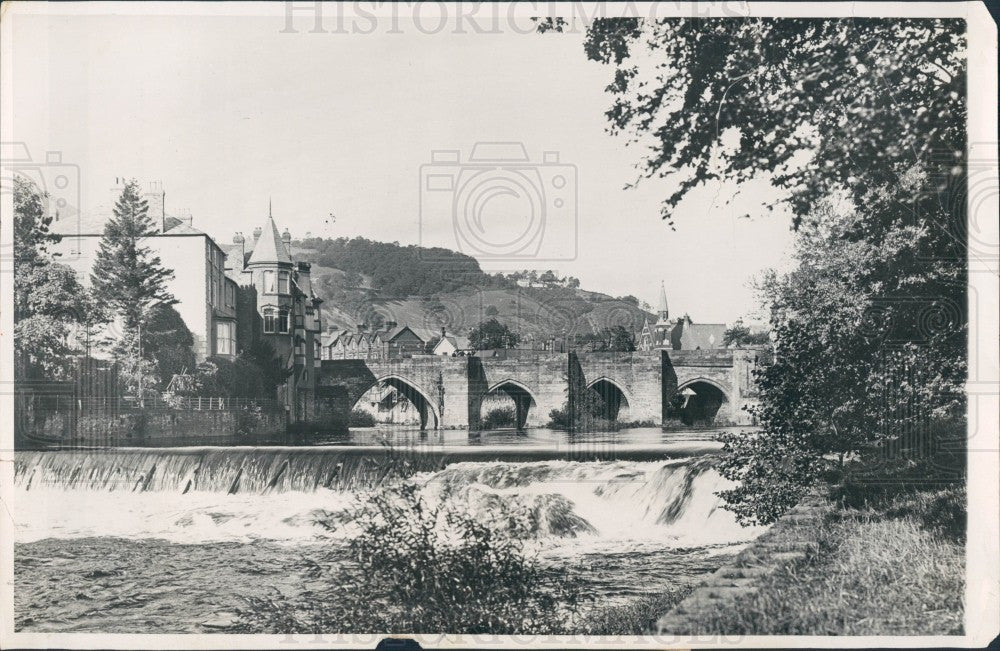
(647,387)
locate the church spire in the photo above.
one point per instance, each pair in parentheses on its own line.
(662,311)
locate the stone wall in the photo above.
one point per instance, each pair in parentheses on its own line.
(160,425)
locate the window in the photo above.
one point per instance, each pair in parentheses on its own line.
(268,282)
(225,340)
(230,295)
(269,320)
(283,321)
(282,282)
(300,321)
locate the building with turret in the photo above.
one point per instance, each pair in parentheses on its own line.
(278,306)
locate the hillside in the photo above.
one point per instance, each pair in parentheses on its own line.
(362,281)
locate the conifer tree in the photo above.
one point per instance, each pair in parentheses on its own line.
(127,277)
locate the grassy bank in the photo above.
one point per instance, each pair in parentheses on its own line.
(891,568)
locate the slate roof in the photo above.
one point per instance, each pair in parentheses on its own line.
(269,249)
(703,335)
(398,330)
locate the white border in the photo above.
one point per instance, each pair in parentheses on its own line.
(983,559)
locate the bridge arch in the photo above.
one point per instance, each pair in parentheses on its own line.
(615,397)
(429,415)
(521,395)
(698,401)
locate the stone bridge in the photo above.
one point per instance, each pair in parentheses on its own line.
(662,387)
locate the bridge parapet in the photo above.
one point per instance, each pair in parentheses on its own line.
(450,391)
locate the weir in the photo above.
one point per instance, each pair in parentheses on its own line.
(665,496)
(260,470)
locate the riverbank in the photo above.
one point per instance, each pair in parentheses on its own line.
(897,568)
(861,556)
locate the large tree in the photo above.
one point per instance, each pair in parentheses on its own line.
(618,339)
(127,276)
(859,125)
(492,334)
(49,302)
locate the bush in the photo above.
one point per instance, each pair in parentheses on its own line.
(361,418)
(421,568)
(499,417)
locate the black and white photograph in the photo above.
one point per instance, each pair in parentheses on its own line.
(421,325)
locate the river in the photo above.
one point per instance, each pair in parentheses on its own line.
(164,540)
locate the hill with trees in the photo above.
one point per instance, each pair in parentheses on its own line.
(368,282)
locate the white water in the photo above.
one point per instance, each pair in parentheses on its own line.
(579,507)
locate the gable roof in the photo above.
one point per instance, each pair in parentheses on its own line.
(703,335)
(398,330)
(269,249)
(458,342)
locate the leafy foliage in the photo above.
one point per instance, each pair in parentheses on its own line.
(219,377)
(740,335)
(169,342)
(860,124)
(498,418)
(618,339)
(272,372)
(49,302)
(421,567)
(838,386)
(127,277)
(492,334)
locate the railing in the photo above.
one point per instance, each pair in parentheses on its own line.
(199,403)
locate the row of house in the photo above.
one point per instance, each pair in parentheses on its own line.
(390,341)
(393,340)
(229,295)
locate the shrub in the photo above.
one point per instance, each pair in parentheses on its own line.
(422,568)
(361,418)
(500,417)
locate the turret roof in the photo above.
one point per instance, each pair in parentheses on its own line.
(269,249)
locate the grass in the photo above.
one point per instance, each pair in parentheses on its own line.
(893,567)
(634,618)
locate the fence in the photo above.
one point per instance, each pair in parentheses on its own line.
(89,410)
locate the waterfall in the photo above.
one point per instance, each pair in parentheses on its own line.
(295,494)
(220,470)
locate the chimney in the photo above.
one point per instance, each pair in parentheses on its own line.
(256,233)
(442,332)
(156,198)
(240,241)
(286,239)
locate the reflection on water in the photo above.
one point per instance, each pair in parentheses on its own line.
(400,435)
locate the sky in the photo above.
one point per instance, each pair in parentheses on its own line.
(230,113)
